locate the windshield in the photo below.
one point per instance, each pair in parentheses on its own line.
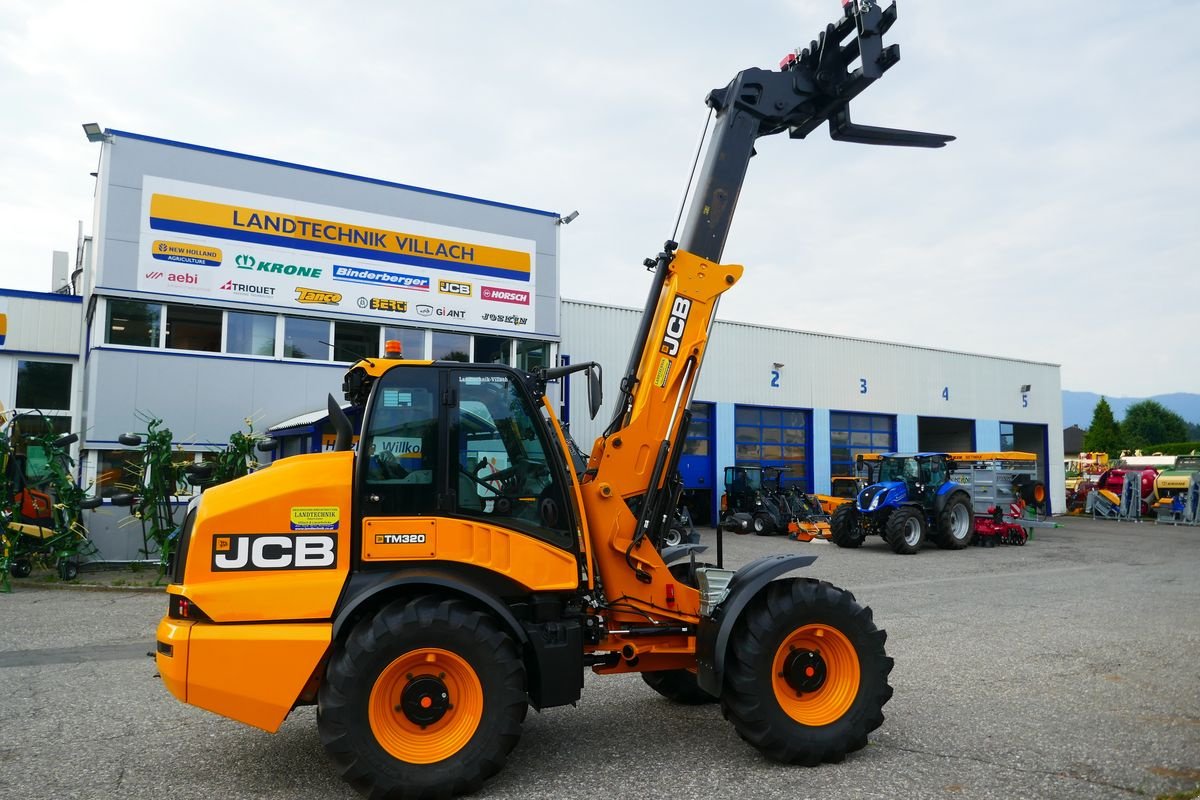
(897,469)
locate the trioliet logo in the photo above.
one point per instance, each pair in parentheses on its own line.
(248,288)
(454,287)
(317,296)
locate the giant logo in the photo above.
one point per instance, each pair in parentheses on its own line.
(270,551)
(675,325)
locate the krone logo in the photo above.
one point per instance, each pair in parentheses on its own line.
(317,296)
(244,261)
(454,287)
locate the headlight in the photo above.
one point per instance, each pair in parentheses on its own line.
(875,502)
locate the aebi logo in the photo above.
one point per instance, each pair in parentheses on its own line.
(675,325)
(268,551)
(186,278)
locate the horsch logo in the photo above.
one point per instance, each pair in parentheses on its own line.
(498,295)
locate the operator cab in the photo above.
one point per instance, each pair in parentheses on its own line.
(471,441)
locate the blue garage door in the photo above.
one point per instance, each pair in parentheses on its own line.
(852,434)
(697,465)
(774,437)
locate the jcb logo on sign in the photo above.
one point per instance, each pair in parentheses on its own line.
(455,287)
(675,325)
(269,551)
(399,538)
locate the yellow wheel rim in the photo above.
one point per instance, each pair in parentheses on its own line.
(425,706)
(816,675)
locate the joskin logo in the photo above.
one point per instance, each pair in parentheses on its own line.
(384,304)
(454,287)
(270,551)
(248,288)
(399,538)
(675,325)
(317,296)
(196,255)
(245,261)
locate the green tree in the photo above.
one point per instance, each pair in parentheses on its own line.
(1193,432)
(1104,434)
(1149,423)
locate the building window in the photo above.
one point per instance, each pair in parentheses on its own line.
(194,328)
(44,385)
(304,337)
(354,340)
(412,341)
(250,334)
(699,432)
(532,355)
(133,323)
(451,346)
(853,434)
(492,350)
(1008,439)
(773,437)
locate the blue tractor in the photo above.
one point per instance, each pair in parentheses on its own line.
(910,497)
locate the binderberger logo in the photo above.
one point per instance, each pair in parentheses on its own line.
(317,296)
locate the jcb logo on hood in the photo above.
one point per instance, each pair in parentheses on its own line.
(262,551)
(675,325)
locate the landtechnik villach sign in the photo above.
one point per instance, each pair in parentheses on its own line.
(239,247)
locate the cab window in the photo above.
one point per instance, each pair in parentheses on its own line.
(401,443)
(504,475)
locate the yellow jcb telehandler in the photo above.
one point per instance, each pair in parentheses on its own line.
(423,602)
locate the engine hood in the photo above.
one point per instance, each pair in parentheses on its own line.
(879,494)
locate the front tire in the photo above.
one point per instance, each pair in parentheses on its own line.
(956,524)
(806,679)
(423,699)
(763,524)
(845,526)
(906,530)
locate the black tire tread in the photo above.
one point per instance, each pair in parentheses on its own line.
(748,700)
(895,530)
(339,719)
(943,539)
(843,525)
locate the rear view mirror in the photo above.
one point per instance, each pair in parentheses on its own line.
(595,390)
(130,439)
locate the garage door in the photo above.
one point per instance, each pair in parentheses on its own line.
(696,465)
(945,435)
(1027,438)
(774,437)
(853,434)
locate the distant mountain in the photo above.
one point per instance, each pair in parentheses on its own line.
(1078,406)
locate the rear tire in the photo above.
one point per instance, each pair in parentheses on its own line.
(792,714)
(956,524)
(679,685)
(906,530)
(423,699)
(762,524)
(845,526)
(21,568)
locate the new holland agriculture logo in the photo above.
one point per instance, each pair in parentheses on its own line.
(246,261)
(317,296)
(196,255)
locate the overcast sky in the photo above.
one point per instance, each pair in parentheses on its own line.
(1062,226)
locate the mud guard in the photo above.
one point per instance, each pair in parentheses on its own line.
(712,637)
(676,552)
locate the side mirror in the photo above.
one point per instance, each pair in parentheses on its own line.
(266,445)
(122,499)
(130,439)
(595,390)
(66,440)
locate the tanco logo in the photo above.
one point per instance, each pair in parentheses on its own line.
(318,296)
(245,261)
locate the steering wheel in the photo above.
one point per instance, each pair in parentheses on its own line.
(389,467)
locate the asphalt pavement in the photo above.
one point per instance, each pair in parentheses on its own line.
(1067,668)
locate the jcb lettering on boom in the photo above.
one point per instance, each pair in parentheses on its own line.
(675,325)
(256,551)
